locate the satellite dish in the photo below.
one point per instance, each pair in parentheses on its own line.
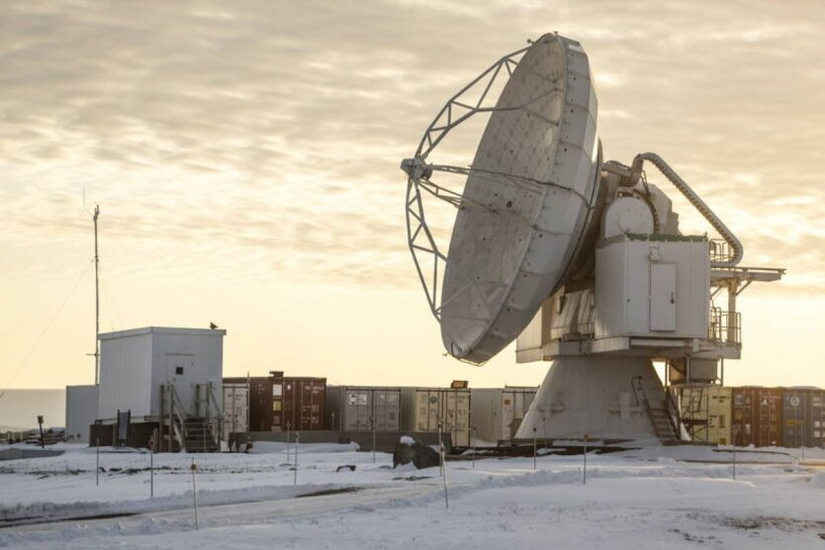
(582,260)
(527,201)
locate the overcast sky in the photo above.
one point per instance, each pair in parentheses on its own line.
(245,158)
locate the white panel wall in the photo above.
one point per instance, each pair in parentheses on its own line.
(81,404)
(125,373)
(623,288)
(199,352)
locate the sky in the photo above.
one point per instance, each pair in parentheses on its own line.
(245,157)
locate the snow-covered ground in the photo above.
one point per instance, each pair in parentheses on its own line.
(653,497)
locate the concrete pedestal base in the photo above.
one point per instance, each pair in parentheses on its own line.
(601,396)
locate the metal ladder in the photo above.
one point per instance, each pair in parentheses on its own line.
(660,414)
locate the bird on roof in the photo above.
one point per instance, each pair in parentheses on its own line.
(212,325)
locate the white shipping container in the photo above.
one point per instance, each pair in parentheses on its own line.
(360,408)
(134,364)
(497,412)
(81,402)
(235,409)
(424,408)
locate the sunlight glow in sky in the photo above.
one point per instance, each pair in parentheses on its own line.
(245,158)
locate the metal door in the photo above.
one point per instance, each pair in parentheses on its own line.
(422,411)
(386,410)
(358,410)
(663,297)
(180,371)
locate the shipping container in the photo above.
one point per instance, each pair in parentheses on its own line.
(816,408)
(803,413)
(496,413)
(757,416)
(265,401)
(362,408)
(235,409)
(81,407)
(706,412)
(434,409)
(719,415)
(795,413)
(304,403)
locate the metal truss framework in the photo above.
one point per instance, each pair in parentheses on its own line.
(456,111)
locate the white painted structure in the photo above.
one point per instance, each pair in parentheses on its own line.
(235,409)
(80,412)
(580,259)
(498,412)
(134,364)
(526,199)
(434,409)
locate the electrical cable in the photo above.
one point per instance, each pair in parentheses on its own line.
(45,330)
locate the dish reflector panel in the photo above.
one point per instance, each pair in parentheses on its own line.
(535,174)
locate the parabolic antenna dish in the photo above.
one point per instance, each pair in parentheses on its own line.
(527,201)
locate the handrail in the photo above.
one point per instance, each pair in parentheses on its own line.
(177,425)
(637,380)
(673,414)
(721,323)
(214,401)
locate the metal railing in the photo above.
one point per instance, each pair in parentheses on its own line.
(720,251)
(173,423)
(725,326)
(215,421)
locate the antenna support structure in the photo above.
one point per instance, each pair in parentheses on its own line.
(580,261)
(97,310)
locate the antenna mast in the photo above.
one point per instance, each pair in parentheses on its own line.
(97,302)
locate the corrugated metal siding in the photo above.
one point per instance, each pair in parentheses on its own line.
(719,415)
(742,405)
(235,409)
(264,402)
(304,403)
(803,413)
(498,412)
(423,408)
(769,419)
(757,416)
(796,411)
(357,408)
(515,402)
(81,405)
(706,411)
(816,428)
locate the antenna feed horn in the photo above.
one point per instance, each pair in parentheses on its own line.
(416,168)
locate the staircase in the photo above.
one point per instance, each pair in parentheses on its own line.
(659,413)
(662,423)
(179,430)
(200,437)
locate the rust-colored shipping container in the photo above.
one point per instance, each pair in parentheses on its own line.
(304,402)
(265,401)
(757,416)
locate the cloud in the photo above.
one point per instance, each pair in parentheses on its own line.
(264,138)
